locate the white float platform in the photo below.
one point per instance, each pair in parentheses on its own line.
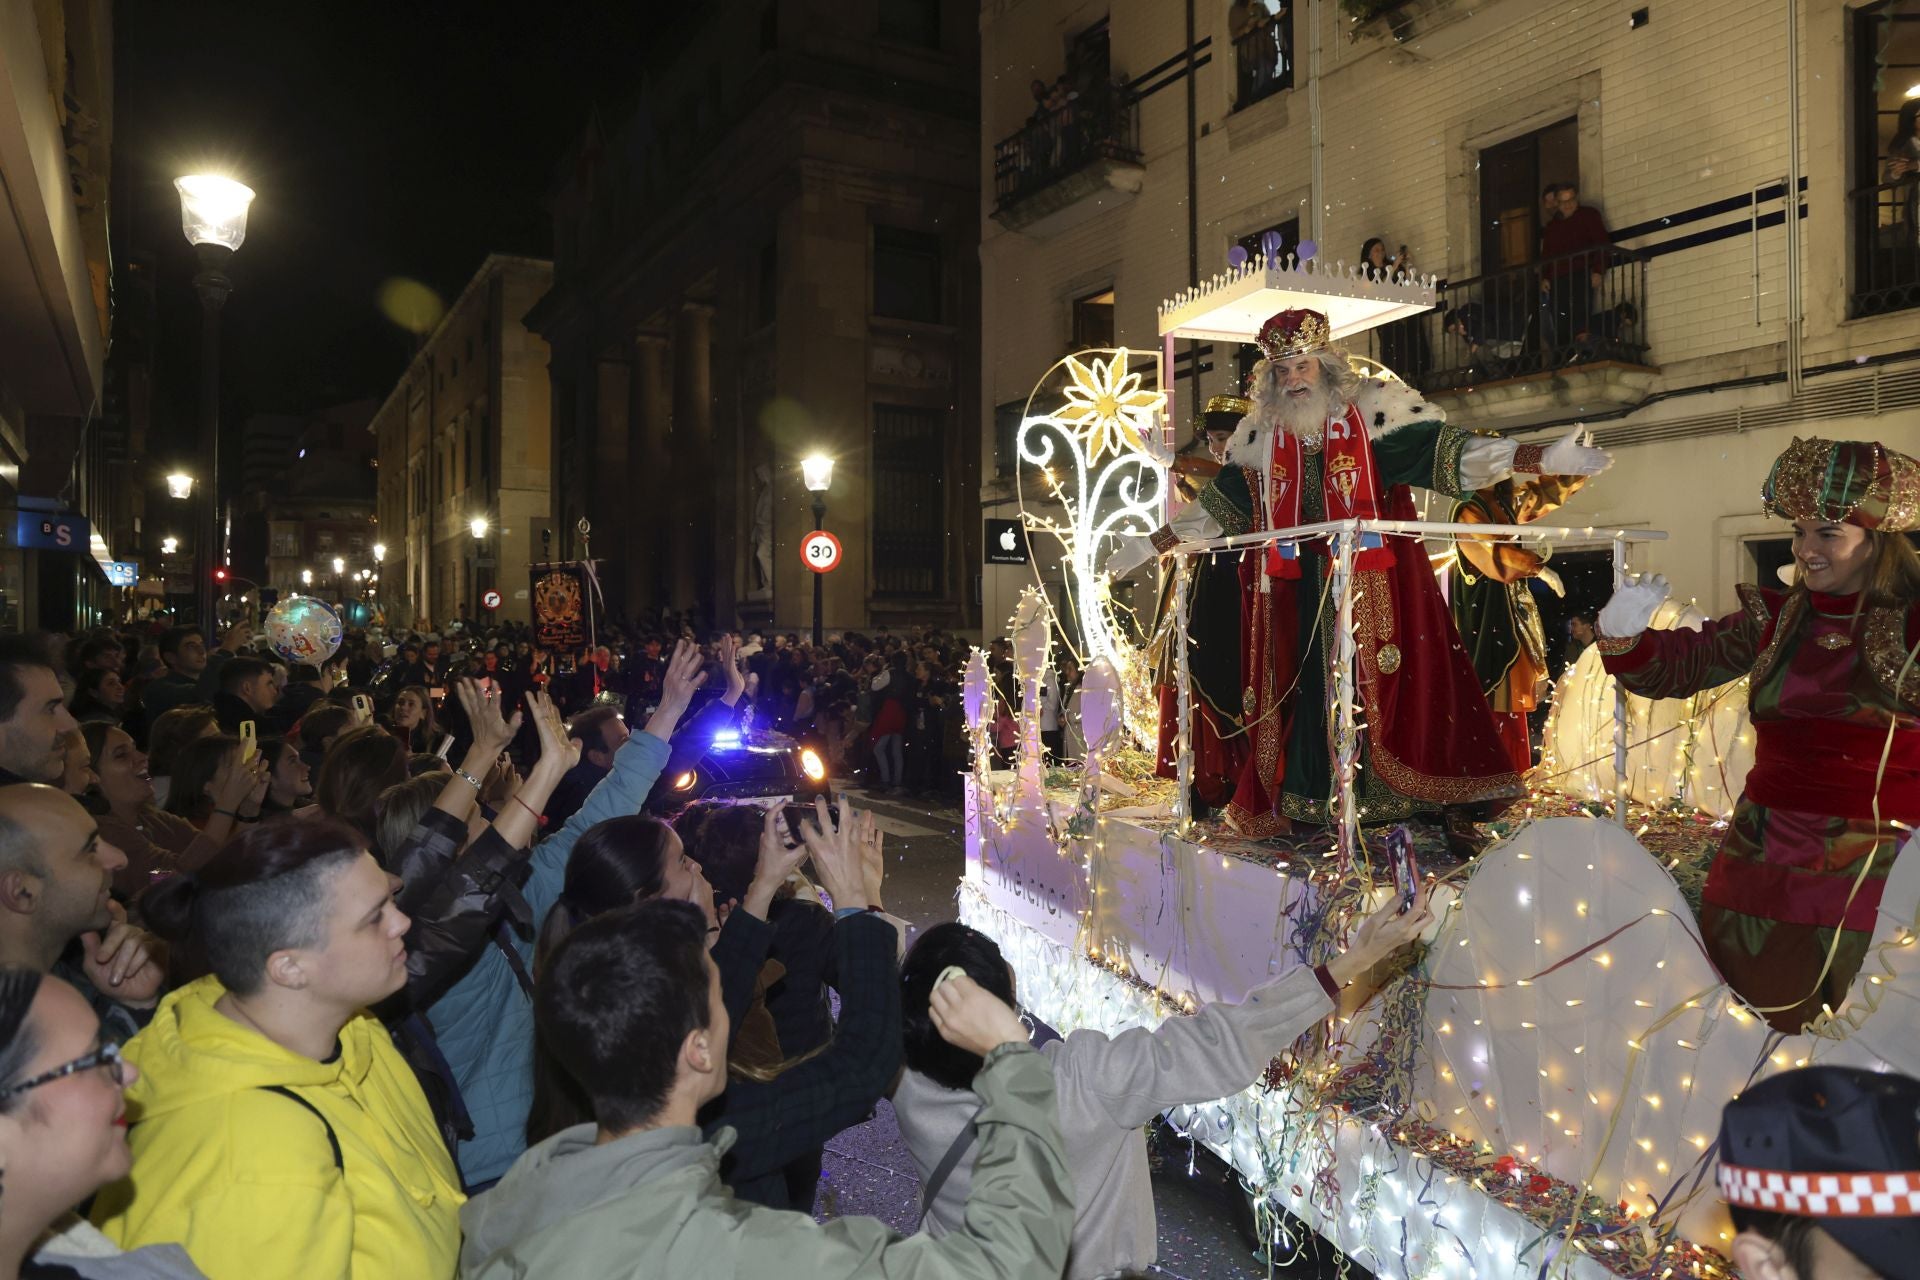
(1608,1069)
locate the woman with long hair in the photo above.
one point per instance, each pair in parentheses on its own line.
(206,779)
(289,777)
(413,721)
(360,764)
(158,843)
(99,694)
(1833,669)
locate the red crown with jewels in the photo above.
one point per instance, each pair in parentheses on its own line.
(1293,333)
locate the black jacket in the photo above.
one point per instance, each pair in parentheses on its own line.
(790,1117)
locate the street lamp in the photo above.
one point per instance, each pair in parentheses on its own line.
(816,472)
(379,552)
(478,525)
(213,216)
(306,577)
(169,545)
(179,485)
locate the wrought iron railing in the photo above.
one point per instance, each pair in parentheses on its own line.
(1886,247)
(1579,308)
(1101,125)
(1263,61)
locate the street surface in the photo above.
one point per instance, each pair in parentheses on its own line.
(867,1169)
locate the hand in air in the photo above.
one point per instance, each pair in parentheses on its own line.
(1633,605)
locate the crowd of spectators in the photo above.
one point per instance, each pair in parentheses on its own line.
(317,1001)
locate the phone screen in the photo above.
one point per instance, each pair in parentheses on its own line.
(1406,871)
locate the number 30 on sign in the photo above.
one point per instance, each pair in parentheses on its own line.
(821,551)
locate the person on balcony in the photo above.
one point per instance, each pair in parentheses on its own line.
(1834,691)
(1322,443)
(1578,251)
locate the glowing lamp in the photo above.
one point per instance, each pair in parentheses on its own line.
(816,472)
(213,209)
(812,765)
(179,485)
(479,526)
(684,782)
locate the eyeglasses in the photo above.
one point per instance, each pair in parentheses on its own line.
(107,1055)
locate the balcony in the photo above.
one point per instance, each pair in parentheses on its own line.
(1525,339)
(1263,61)
(1067,165)
(1886,248)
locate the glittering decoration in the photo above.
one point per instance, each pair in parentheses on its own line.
(1107,407)
(303,629)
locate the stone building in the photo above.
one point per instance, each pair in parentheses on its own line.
(1717,328)
(464,437)
(773,254)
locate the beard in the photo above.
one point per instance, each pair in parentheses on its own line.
(1305,415)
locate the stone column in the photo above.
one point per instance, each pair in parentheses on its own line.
(649,474)
(606,466)
(695,486)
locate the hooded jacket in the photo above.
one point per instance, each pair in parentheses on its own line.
(652,1204)
(263,1163)
(484,1022)
(1108,1089)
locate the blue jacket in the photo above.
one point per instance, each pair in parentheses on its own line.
(484,1023)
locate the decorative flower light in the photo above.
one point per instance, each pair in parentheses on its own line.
(1107,407)
(1106,481)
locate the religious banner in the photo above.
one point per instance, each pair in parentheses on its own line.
(559,606)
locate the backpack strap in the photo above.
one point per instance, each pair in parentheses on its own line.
(962,1142)
(332,1140)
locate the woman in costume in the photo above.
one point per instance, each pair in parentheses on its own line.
(1790,900)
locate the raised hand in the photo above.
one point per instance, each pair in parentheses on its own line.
(1633,605)
(728,655)
(492,731)
(836,854)
(558,751)
(1381,934)
(775,862)
(1574,456)
(677,688)
(970,1017)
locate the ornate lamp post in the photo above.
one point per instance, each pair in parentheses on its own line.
(816,471)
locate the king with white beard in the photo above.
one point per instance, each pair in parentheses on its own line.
(1322,443)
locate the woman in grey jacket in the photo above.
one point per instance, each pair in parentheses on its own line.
(1108,1087)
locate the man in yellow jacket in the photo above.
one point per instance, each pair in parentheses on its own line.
(276,1131)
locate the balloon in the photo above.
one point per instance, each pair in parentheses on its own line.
(303,629)
(1237,256)
(1271,244)
(1307,249)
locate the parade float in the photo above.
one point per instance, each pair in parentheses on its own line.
(1538,1092)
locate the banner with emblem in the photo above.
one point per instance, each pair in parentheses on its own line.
(559,594)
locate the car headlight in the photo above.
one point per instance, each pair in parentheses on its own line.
(812,765)
(685,781)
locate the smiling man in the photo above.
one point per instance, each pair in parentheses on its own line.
(34,720)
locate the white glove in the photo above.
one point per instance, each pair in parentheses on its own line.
(1574,456)
(1633,606)
(1553,582)
(1128,556)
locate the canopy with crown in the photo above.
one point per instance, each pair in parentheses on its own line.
(1232,305)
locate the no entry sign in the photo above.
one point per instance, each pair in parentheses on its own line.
(491,600)
(821,551)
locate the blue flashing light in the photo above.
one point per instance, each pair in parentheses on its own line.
(727,740)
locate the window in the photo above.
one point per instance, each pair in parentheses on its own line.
(914,22)
(907,275)
(1884,187)
(323,540)
(769,281)
(1262,33)
(909,501)
(1512,177)
(286,542)
(1006,432)
(1093,320)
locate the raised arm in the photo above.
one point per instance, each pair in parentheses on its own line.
(1678,662)
(1224,1047)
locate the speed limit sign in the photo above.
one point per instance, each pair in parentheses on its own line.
(821,551)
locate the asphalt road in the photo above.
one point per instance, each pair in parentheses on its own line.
(867,1169)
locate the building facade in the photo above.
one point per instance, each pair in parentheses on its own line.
(65,492)
(773,255)
(1710,331)
(464,438)
(306,500)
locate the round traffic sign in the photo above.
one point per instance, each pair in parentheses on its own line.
(491,600)
(820,551)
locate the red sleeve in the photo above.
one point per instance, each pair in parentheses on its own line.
(1680,663)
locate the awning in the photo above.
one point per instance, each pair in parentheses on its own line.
(1233,305)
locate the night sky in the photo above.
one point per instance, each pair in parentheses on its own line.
(384,140)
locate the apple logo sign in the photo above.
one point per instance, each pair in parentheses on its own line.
(1007,541)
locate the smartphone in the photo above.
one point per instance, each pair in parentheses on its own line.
(798,813)
(446,745)
(363,707)
(1406,872)
(249,742)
